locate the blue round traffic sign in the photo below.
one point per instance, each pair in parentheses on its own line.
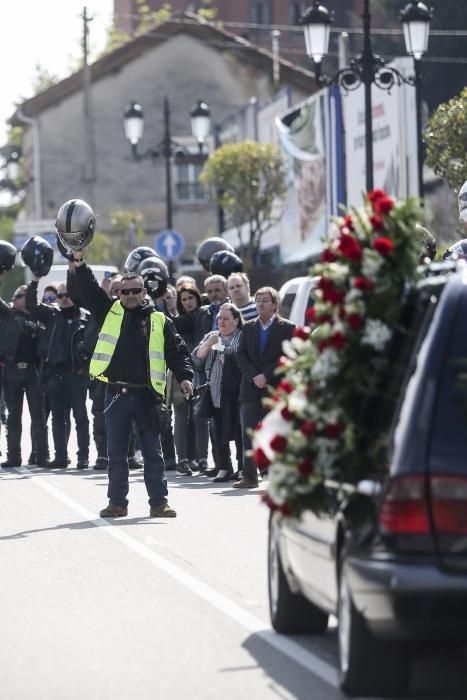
(169,244)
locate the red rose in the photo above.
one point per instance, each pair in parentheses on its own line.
(350,248)
(377,222)
(306,466)
(363,283)
(327,256)
(259,425)
(301,332)
(333,430)
(383,205)
(355,321)
(323,344)
(338,340)
(286,386)
(342,313)
(310,315)
(260,458)
(384,246)
(266,498)
(278,443)
(333,296)
(374,195)
(285,510)
(308,427)
(325,283)
(348,221)
(286,413)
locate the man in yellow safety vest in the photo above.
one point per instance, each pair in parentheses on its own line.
(134,345)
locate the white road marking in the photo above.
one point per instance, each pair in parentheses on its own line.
(254,625)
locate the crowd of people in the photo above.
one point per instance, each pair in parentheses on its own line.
(209,354)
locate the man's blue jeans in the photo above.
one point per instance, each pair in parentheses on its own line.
(129,407)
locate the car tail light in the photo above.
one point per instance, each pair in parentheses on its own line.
(406,505)
(404,508)
(449,504)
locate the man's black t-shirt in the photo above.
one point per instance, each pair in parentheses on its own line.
(129,361)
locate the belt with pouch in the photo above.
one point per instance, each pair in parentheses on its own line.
(125,387)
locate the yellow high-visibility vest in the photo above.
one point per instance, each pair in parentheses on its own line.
(108,338)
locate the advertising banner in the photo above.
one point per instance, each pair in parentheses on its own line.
(311,136)
(394,139)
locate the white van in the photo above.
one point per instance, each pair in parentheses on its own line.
(295,298)
(58,274)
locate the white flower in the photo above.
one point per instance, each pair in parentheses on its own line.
(326,365)
(353,295)
(376,334)
(289,350)
(371,263)
(297,402)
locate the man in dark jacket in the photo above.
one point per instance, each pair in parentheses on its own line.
(64,371)
(135,342)
(19,335)
(258,352)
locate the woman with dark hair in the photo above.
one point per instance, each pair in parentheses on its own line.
(216,355)
(191,434)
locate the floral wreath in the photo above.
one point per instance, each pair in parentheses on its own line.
(314,431)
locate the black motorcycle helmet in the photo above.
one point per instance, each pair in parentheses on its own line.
(207,248)
(75,224)
(136,256)
(224,262)
(7,256)
(155,276)
(457,251)
(38,255)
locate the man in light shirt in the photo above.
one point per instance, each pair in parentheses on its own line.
(238,287)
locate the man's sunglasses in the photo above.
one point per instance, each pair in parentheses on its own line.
(19,296)
(131,290)
(63,295)
(49,299)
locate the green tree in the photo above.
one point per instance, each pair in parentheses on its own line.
(446,138)
(248,180)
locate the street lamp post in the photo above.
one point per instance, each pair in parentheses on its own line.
(134,125)
(369,69)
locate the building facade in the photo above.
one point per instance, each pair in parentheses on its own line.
(184,63)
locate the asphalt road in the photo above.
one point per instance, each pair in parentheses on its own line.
(142,608)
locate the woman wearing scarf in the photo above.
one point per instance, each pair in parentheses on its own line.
(216,355)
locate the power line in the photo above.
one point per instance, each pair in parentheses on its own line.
(388,31)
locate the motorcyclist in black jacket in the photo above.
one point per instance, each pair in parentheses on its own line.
(64,369)
(19,337)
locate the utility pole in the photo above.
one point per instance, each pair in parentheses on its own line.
(89,166)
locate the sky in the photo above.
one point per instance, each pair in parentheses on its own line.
(45,32)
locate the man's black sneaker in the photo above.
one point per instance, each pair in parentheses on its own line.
(101,464)
(134,464)
(84,464)
(58,464)
(183,467)
(11,464)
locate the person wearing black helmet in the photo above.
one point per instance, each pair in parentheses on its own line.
(19,337)
(64,373)
(135,343)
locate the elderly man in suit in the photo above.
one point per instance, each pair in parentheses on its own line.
(259,350)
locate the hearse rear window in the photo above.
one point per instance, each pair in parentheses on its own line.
(449,436)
